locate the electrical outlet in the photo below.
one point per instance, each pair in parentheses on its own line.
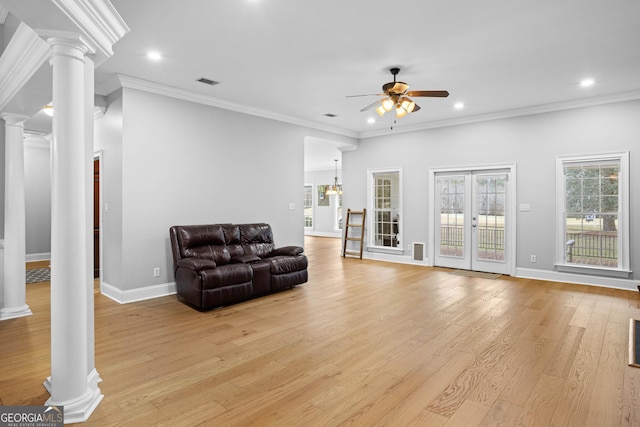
(156,272)
(533,258)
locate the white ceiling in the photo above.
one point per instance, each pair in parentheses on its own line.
(300,59)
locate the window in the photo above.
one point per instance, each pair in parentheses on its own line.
(593,218)
(385,205)
(338,212)
(308,206)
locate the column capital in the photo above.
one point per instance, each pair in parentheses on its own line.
(67,43)
(11,119)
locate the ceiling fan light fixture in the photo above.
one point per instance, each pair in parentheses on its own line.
(407,104)
(397,95)
(387,104)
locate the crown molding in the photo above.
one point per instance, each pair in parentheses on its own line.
(4,12)
(24,55)
(37,139)
(516,112)
(120,80)
(99,22)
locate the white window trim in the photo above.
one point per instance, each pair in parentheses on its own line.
(313,202)
(623,214)
(335,199)
(371,217)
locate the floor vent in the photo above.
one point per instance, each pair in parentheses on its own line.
(417,251)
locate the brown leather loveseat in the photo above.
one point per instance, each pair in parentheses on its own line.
(221,264)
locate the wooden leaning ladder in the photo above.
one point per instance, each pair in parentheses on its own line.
(348,237)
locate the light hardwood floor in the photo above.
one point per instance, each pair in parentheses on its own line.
(363,343)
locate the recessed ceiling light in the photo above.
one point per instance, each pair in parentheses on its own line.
(458,105)
(371,120)
(154,55)
(587,82)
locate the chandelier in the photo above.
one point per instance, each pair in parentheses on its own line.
(335,188)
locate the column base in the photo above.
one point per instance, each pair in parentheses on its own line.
(79,410)
(15,312)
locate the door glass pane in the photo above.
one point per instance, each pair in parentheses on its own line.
(451,216)
(490,238)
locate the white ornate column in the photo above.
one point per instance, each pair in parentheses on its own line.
(71,383)
(15,304)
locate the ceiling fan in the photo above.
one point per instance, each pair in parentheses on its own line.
(397,95)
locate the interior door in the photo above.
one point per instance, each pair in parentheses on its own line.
(471,220)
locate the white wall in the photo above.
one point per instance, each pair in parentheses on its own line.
(108,141)
(185,163)
(37,194)
(531,142)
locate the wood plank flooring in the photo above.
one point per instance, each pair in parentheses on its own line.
(363,343)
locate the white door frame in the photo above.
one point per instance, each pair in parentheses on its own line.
(510,253)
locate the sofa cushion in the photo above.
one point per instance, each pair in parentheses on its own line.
(226,275)
(196,263)
(204,241)
(288,250)
(287,264)
(257,239)
(232,240)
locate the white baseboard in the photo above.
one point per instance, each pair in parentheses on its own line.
(38,257)
(337,235)
(579,279)
(138,294)
(399,259)
(527,273)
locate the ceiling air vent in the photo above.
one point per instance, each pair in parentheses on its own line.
(331,115)
(208,81)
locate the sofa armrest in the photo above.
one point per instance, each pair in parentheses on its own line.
(196,264)
(287,250)
(245,259)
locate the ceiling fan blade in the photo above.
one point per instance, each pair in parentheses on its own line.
(430,93)
(368,94)
(370,106)
(416,108)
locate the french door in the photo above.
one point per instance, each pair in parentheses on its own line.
(472,224)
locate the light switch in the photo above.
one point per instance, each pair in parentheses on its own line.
(525,207)
(292,206)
